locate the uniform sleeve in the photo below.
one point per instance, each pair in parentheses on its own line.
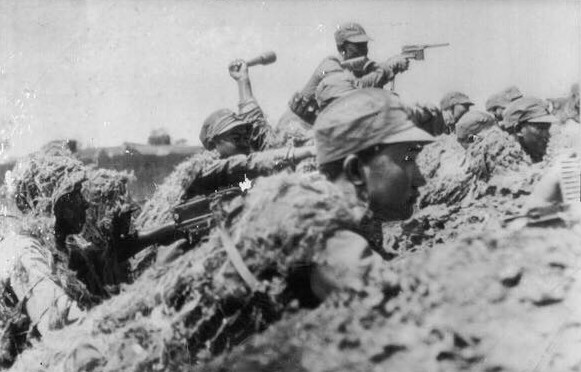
(377,76)
(235,169)
(262,135)
(327,66)
(46,303)
(429,118)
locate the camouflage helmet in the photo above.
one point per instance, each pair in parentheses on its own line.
(39,180)
(473,123)
(503,99)
(219,122)
(362,119)
(455,98)
(527,109)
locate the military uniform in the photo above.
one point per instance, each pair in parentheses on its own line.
(262,135)
(206,177)
(335,76)
(29,271)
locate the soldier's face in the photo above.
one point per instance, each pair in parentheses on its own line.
(71,210)
(534,138)
(234,142)
(497,112)
(392,181)
(354,50)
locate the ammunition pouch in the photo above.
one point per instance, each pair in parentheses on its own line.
(304,107)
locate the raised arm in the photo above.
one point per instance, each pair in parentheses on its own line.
(262,134)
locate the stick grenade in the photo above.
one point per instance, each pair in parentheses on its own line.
(265,58)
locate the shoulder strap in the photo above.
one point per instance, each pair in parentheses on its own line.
(237,261)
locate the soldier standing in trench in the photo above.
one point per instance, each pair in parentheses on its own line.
(339,74)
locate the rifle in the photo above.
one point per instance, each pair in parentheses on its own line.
(540,216)
(192,220)
(417,51)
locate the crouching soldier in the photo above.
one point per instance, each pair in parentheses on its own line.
(38,289)
(366,145)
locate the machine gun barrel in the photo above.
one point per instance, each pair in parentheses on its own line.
(193,220)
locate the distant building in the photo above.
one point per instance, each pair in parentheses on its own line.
(150,163)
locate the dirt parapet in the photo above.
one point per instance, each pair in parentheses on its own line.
(199,306)
(494,300)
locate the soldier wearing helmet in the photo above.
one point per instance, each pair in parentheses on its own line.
(34,272)
(239,141)
(497,103)
(528,119)
(454,105)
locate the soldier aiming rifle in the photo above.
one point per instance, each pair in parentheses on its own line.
(192,221)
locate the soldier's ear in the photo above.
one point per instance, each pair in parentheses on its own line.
(353,169)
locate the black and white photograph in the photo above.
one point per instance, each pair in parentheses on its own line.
(290,186)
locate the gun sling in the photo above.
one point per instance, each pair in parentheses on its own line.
(237,260)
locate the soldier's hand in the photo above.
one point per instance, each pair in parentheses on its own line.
(398,64)
(119,222)
(238,69)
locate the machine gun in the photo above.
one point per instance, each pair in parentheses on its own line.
(193,220)
(417,51)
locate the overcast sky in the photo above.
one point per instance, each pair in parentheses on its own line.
(104,72)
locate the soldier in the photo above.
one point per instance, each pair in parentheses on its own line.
(35,275)
(296,237)
(236,137)
(366,144)
(528,120)
(336,76)
(472,125)
(454,105)
(234,143)
(496,104)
